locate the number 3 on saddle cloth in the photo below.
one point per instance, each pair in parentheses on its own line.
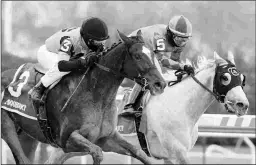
(15,97)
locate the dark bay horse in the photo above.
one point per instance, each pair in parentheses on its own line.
(88,123)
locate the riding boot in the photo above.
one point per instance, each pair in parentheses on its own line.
(37,91)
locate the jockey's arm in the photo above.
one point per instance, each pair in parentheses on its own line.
(172,64)
(65,52)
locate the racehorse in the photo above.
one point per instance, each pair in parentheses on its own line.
(87,123)
(171,118)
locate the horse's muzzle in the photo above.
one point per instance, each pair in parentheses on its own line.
(157,87)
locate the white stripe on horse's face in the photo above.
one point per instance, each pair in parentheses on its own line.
(147,52)
(152,58)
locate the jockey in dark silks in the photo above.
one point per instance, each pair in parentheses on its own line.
(62,52)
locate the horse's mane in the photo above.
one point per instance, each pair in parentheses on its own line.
(115,44)
(108,49)
(203,63)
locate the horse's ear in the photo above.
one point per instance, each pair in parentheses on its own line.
(123,37)
(231,57)
(218,59)
(139,33)
(216,56)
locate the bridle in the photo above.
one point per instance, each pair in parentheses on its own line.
(138,79)
(179,74)
(218,96)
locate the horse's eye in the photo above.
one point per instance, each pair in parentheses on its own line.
(225,78)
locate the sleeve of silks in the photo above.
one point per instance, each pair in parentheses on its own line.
(67,66)
(171,64)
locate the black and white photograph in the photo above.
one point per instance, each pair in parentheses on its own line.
(128,82)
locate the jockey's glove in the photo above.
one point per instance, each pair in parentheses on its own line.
(80,63)
(189,69)
(90,59)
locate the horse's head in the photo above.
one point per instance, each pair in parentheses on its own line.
(228,85)
(141,63)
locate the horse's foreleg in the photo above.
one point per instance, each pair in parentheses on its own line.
(9,134)
(168,161)
(58,156)
(177,158)
(176,151)
(116,143)
(78,143)
(29,145)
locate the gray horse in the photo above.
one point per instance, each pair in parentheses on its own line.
(171,118)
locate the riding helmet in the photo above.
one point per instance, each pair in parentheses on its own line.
(180,26)
(95,29)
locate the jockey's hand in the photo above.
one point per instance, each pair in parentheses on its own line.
(189,69)
(90,58)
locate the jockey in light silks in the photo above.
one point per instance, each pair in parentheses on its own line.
(62,51)
(167,42)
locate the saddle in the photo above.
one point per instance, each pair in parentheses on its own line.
(135,116)
(39,107)
(15,97)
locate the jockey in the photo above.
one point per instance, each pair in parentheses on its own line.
(167,42)
(62,51)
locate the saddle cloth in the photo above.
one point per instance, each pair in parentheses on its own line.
(126,125)
(15,96)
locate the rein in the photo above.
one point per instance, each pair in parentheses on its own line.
(140,80)
(180,73)
(65,105)
(202,85)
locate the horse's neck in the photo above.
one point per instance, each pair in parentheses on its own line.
(100,83)
(200,98)
(186,99)
(104,83)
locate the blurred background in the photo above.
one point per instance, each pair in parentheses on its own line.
(219,26)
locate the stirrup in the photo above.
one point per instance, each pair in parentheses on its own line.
(130,111)
(128,106)
(34,99)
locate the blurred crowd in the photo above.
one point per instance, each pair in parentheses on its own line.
(217,25)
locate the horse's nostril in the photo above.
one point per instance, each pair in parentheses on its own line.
(160,85)
(246,107)
(240,105)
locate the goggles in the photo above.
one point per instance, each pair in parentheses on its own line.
(98,43)
(180,41)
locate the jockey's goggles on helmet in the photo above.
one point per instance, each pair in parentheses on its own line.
(98,43)
(180,40)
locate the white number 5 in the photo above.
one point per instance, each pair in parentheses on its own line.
(160,44)
(17,93)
